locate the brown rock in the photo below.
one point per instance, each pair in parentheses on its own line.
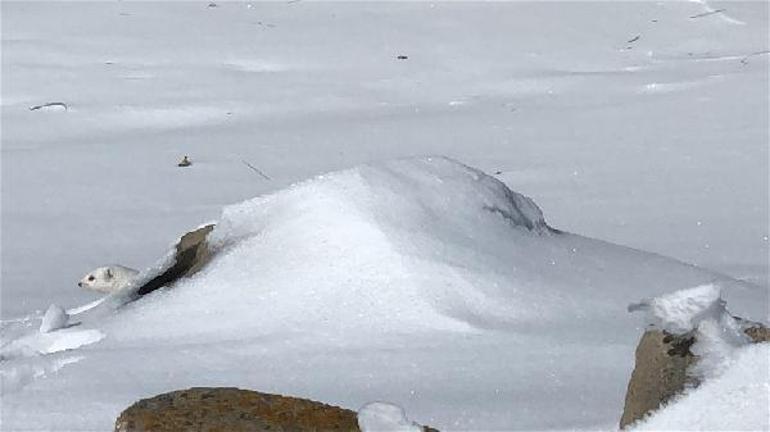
(192,253)
(209,409)
(660,373)
(232,410)
(758,333)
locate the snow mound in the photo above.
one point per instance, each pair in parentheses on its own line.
(408,245)
(355,246)
(385,417)
(55,318)
(421,281)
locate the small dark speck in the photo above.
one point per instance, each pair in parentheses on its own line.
(498,172)
(212,5)
(654,20)
(402,57)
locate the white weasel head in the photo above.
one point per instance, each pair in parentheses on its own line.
(107,279)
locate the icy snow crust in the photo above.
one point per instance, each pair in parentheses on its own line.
(418,281)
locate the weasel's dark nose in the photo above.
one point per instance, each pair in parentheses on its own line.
(80,284)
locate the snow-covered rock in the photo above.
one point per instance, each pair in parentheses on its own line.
(701,372)
(700,310)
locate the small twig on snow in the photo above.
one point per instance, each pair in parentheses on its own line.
(256,170)
(705,14)
(49,104)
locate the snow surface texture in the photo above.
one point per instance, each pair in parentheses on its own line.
(382,417)
(735,386)
(659,143)
(418,281)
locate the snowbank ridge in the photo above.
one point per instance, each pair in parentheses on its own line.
(365,243)
(406,245)
(364,274)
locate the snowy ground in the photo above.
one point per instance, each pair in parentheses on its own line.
(658,142)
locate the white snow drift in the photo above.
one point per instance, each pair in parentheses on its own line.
(418,281)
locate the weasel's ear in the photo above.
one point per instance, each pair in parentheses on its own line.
(109,273)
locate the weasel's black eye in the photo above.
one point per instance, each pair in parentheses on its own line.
(90,278)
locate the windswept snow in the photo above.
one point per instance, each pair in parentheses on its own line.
(553,97)
(421,281)
(417,281)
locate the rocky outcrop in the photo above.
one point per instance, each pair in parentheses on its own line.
(192,253)
(661,370)
(758,333)
(233,410)
(660,373)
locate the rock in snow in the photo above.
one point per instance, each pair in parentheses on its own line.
(233,410)
(702,312)
(659,375)
(683,364)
